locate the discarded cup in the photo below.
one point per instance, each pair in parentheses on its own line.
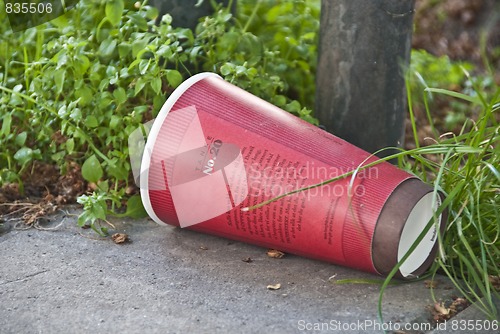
(215,151)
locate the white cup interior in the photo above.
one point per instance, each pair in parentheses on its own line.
(417,220)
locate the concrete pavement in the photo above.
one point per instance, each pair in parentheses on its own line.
(172,280)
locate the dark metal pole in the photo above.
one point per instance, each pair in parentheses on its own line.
(185,13)
(364,48)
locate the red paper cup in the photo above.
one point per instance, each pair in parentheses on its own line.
(215,150)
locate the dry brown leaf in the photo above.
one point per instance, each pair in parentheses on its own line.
(276,286)
(274,253)
(458,305)
(440,313)
(495,281)
(431,284)
(441,309)
(119,238)
(203,248)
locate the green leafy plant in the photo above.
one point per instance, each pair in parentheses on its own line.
(96,210)
(73,89)
(289,32)
(274,63)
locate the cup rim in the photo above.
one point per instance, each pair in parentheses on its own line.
(153,135)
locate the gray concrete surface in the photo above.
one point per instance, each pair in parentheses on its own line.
(171,280)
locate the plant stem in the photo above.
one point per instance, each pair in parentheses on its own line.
(252,16)
(410,108)
(432,149)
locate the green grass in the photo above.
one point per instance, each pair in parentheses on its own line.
(470,247)
(469,252)
(467,171)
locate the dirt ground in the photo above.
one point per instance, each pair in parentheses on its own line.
(456,27)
